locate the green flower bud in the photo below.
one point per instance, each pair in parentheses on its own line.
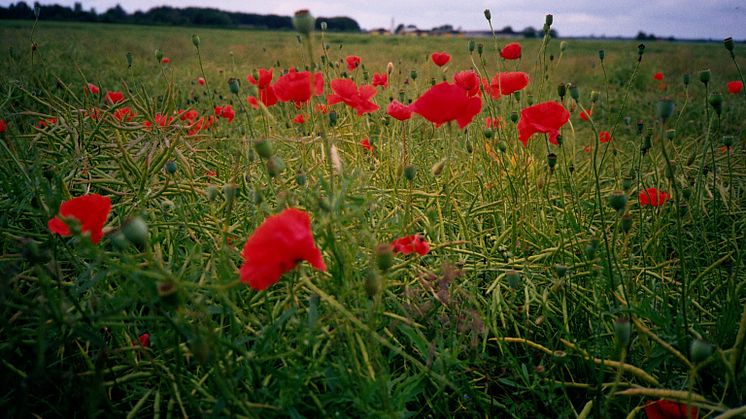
(264,148)
(129,60)
(487,14)
(671,134)
(136,231)
(158,55)
(410,171)
(333,118)
(170,167)
(502,145)
(300,179)
(618,200)
(275,166)
(686,78)
(548,20)
(195,40)
(716,101)
(551,161)
(514,279)
(323,26)
(413,74)
(664,109)
(120,242)
(230,190)
(627,222)
(622,331)
(469,146)
(480,49)
(211,192)
(574,92)
(601,54)
(233,85)
(563,46)
(640,51)
(562,90)
(704,76)
(700,350)
(627,182)
(472,46)
(728,141)
(487,133)
(384,257)
(303,22)
(514,117)
(560,270)
(372,283)
(728,43)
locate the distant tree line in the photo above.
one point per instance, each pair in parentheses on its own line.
(164,15)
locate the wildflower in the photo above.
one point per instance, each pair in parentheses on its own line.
(165,60)
(604,137)
(299,119)
(446,102)
(92,88)
(365,143)
(201,81)
(202,124)
(658,76)
(124,114)
(586,114)
(666,409)
(440,58)
(411,244)
(43,123)
(399,111)
(345,90)
(277,246)
(512,51)
(381,79)
(653,197)
(467,80)
(506,83)
(296,86)
(263,80)
(91,211)
(321,108)
(353,62)
(253,102)
(734,87)
(3,126)
(490,122)
(114,97)
(226,112)
(144,340)
(546,117)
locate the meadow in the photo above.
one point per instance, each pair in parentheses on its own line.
(185,233)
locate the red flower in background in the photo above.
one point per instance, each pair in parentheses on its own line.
(490,122)
(321,108)
(114,97)
(345,90)
(264,78)
(399,111)
(277,246)
(165,60)
(381,79)
(202,124)
(467,80)
(124,114)
(411,244)
(506,83)
(253,102)
(43,123)
(201,81)
(604,136)
(734,86)
(91,211)
(299,119)
(353,61)
(658,76)
(512,51)
(3,126)
(440,58)
(447,102)
(665,409)
(92,88)
(190,115)
(365,143)
(144,340)
(653,197)
(586,115)
(296,86)
(226,112)
(547,117)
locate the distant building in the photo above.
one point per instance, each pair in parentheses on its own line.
(379,31)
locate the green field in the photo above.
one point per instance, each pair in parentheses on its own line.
(548,289)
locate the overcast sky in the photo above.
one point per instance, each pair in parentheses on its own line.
(714,19)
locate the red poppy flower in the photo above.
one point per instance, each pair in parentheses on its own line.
(411,244)
(604,136)
(658,76)
(467,80)
(277,246)
(381,79)
(3,126)
(653,197)
(365,143)
(546,117)
(296,86)
(665,409)
(114,97)
(211,173)
(264,80)
(43,123)
(253,102)
(586,115)
(91,211)
(440,58)
(321,108)
(399,111)
(353,61)
(447,102)
(512,51)
(201,81)
(90,87)
(299,119)
(588,148)
(493,122)
(506,83)
(144,340)
(201,125)
(734,86)
(191,115)
(226,112)
(165,60)
(124,114)
(163,120)
(345,90)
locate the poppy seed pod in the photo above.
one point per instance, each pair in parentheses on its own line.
(562,90)
(136,231)
(704,76)
(514,116)
(129,59)
(700,350)
(170,167)
(664,110)
(158,55)
(233,85)
(686,78)
(487,14)
(548,20)
(728,43)
(195,40)
(626,222)
(264,148)
(640,51)
(728,141)
(574,92)
(622,331)
(303,22)
(514,279)
(413,74)
(601,54)
(332,118)
(560,270)
(472,45)
(480,48)
(229,191)
(551,161)
(618,200)
(716,101)
(410,171)
(384,257)
(275,166)
(300,178)
(502,145)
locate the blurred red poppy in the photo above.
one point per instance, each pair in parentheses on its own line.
(546,117)
(226,112)
(365,143)
(165,60)
(512,51)
(665,409)
(399,111)
(188,115)
(124,114)
(3,126)
(253,102)
(345,90)
(277,246)
(506,83)
(604,136)
(411,244)
(264,78)
(381,79)
(353,61)
(114,97)
(734,86)
(321,108)
(299,119)
(496,122)
(467,80)
(144,340)
(653,197)
(91,211)
(92,88)
(586,115)
(203,123)
(43,123)
(658,76)
(296,86)
(201,81)
(446,102)
(440,58)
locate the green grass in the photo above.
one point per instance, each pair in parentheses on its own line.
(484,325)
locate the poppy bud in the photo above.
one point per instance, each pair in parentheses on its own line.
(563,46)
(472,46)
(438,167)
(627,182)
(647,143)
(704,76)
(195,40)
(487,14)
(514,279)
(211,192)
(332,118)
(618,200)
(574,92)
(170,167)
(300,178)
(275,166)
(700,350)
(601,54)
(129,60)
(686,78)
(389,68)
(372,283)
(264,148)
(136,231)
(37,10)
(626,222)
(551,161)
(230,190)
(323,26)
(502,145)
(514,117)
(560,270)
(303,22)
(413,74)
(517,96)
(622,331)
(233,85)
(487,133)
(728,43)
(664,109)
(728,141)
(716,101)
(410,171)
(562,90)
(384,257)
(258,196)
(120,242)
(480,49)
(640,51)
(670,134)
(548,20)
(158,55)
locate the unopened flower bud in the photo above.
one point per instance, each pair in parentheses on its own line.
(670,134)
(303,22)
(195,40)
(551,161)
(230,190)
(136,231)
(384,257)
(574,92)
(389,68)
(332,118)
(469,146)
(562,90)
(372,283)
(618,200)
(264,148)
(548,20)
(704,76)
(413,74)
(410,171)
(129,60)
(300,179)
(170,167)
(211,192)
(686,78)
(502,145)
(514,117)
(472,45)
(700,350)
(728,141)
(664,109)
(601,54)
(158,55)
(275,166)
(560,270)
(626,222)
(640,51)
(487,14)
(233,85)
(622,331)
(716,101)
(480,48)
(728,43)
